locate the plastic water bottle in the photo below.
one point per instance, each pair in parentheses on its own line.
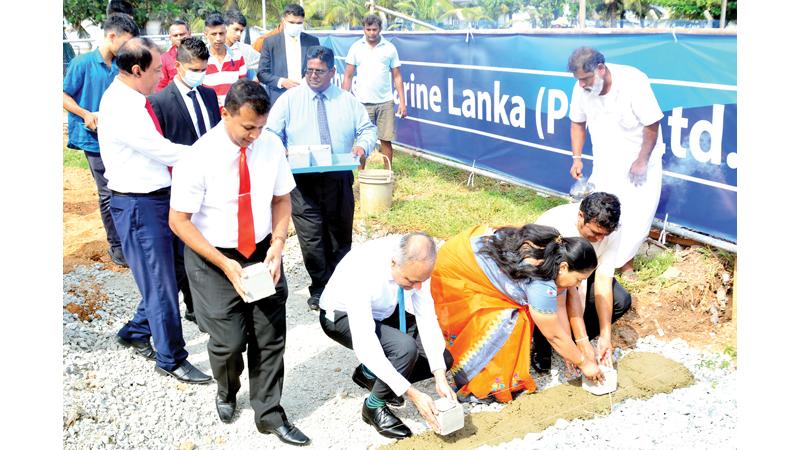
(580,189)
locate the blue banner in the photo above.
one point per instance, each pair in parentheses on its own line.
(500,102)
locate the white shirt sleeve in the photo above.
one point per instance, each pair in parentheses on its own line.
(395,60)
(138,132)
(351,55)
(188,185)
(284,180)
(644,103)
(366,345)
(428,325)
(576,111)
(606,262)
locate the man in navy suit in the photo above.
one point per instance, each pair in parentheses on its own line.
(283,55)
(186,110)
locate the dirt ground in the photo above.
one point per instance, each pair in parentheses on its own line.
(692,300)
(641,375)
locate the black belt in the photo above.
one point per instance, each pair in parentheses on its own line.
(156,193)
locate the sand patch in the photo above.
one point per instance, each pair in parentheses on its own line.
(641,375)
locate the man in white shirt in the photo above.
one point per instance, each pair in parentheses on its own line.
(378,303)
(283,55)
(620,109)
(137,159)
(601,299)
(378,68)
(231,207)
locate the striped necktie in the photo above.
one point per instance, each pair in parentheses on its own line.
(401,308)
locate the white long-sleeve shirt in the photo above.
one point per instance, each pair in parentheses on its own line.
(135,155)
(362,286)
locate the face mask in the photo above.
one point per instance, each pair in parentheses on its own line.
(193,79)
(597,87)
(293,29)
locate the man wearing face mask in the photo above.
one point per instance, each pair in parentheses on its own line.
(618,105)
(283,61)
(186,110)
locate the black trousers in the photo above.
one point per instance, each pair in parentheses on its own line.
(180,275)
(235,326)
(622,303)
(322,212)
(404,350)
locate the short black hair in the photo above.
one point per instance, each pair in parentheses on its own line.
(135,52)
(233,16)
(322,53)
(603,209)
(120,23)
(372,19)
(247,92)
(192,48)
(214,19)
(119,7)
(294,9)
(179,22)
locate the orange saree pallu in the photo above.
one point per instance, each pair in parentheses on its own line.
(487,332)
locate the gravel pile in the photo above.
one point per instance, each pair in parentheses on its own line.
(113,398)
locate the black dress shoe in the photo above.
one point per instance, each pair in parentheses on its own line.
(186,373)
(541,360)
(143,348)
(396,402)
(117,257)
(225,409)
(360,379)
(385,422)
(287,433)
(190,316)
(313,302)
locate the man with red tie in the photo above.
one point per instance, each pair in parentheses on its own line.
(230,205)
(137,158)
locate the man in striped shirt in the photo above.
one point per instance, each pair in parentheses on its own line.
(225,65)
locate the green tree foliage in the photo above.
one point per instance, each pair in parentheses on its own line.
(76,11)
(693,9)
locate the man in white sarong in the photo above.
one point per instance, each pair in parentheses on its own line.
(617,103)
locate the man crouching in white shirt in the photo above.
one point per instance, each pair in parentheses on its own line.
(378,303)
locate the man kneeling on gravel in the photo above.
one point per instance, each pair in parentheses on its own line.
(378,303)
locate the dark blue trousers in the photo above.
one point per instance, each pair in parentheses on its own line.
(148,246)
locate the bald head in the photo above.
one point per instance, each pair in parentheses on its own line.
(139,65)
(416,247)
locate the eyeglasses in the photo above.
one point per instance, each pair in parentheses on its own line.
(318,72)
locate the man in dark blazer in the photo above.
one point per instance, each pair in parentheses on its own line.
(277,69)
(186,110)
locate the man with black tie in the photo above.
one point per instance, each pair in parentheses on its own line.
(186,110)
(283,61)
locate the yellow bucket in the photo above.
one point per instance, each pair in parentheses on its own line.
(375,187)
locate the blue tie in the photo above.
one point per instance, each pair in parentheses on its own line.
(322,120)
(201,125)
(401,308)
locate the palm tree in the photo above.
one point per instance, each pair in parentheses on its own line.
(425,10)
(330,13)
(642,8)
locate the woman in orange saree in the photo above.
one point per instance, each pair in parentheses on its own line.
(490,288)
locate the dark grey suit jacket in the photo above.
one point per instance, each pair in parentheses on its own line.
(172,114)
(272,65)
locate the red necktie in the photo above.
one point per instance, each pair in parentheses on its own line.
(152,113)
(247,234)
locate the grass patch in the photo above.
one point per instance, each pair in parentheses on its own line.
(648,269)
(435,199)
(75,158)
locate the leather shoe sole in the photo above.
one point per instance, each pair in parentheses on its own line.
(187,373)
(225,410)
(143,348)
(287,433)
(313,303)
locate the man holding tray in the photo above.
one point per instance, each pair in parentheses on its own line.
(230,206)
(318,112)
